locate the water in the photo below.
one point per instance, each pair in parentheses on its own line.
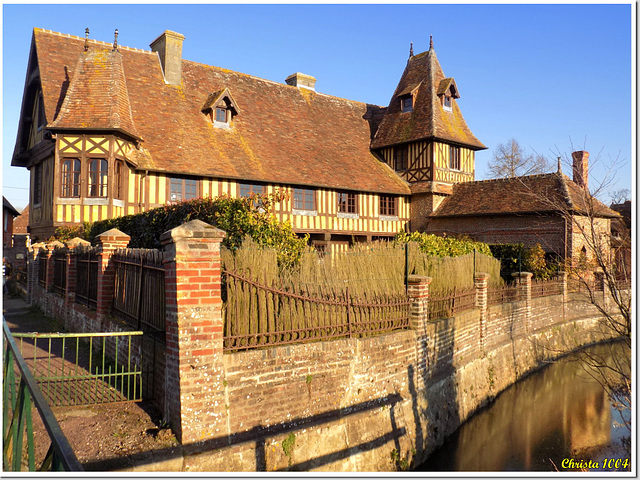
(560,412)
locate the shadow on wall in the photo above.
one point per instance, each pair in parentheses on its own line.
(261,435)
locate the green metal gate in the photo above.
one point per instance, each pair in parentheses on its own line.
(74,369)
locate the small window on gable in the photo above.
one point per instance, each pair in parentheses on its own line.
(407,103)
(446,102)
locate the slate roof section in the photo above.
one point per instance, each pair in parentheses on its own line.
(282,135)
(6,205)
(428,120)
(546,193)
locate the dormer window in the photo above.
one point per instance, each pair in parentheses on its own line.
(407,103)
(448,90)
(220,108)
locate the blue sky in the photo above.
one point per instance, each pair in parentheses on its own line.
(556,78)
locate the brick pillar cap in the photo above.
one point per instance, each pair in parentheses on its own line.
(113,234)
(482,276)
(76,242)
(55,244)
(192,229)
(419,279)
(522,274)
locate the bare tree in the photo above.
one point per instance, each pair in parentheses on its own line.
(620,196)
(511,160)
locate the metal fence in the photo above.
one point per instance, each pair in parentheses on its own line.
(20,392)
(507,293)
(258,315)
(87,277)
(545,288)
(60,271)
(74,369)
(42,269)
(139,297)
(446,306)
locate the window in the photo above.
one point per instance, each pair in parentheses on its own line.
(181,189)
(119,180)
(70,178)
(304,199)
(401,157)
(248,189)
(454,158)
(347,202)
(221,115)
(37,184)
(98,174)
(446,99)
(388,205)
(407,103)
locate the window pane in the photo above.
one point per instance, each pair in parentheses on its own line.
(387,205)
(221,115)
(175,190)
(347,202)
(190,188)
(304,199)
(98,171)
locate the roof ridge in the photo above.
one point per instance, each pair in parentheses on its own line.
(504,179)
(97,42)
(274,82)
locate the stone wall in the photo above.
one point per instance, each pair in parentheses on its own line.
(358,404)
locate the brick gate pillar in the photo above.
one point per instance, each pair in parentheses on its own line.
(108,242)
(194,401)
(418,291)
(523,279)
(481,282)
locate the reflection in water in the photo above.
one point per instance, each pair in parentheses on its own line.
(555,413)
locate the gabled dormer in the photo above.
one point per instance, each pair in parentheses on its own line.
(220,108)
(447,92)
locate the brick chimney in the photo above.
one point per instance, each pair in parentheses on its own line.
(169,49)
(302,80)
(581,168)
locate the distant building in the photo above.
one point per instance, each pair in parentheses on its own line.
(8,214)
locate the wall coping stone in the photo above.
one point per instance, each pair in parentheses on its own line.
(113,234)
(75,242)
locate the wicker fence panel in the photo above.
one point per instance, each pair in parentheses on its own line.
(448,305)
(258,315)
(139,288)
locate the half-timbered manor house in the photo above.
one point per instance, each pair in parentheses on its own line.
(107,130)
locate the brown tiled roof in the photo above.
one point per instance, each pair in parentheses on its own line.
(21,222)
(551,192)
(282,134)
(428,118)
(97,98)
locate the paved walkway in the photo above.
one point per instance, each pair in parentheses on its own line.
(23,318)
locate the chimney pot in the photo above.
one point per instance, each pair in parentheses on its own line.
(169,49)
(581,168)
(302,80)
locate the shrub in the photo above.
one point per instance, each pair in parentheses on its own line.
(436,246)
(238,217)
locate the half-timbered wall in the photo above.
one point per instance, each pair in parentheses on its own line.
(419,161)
(40,212)
(86,208)
(444,173)
(147,190)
